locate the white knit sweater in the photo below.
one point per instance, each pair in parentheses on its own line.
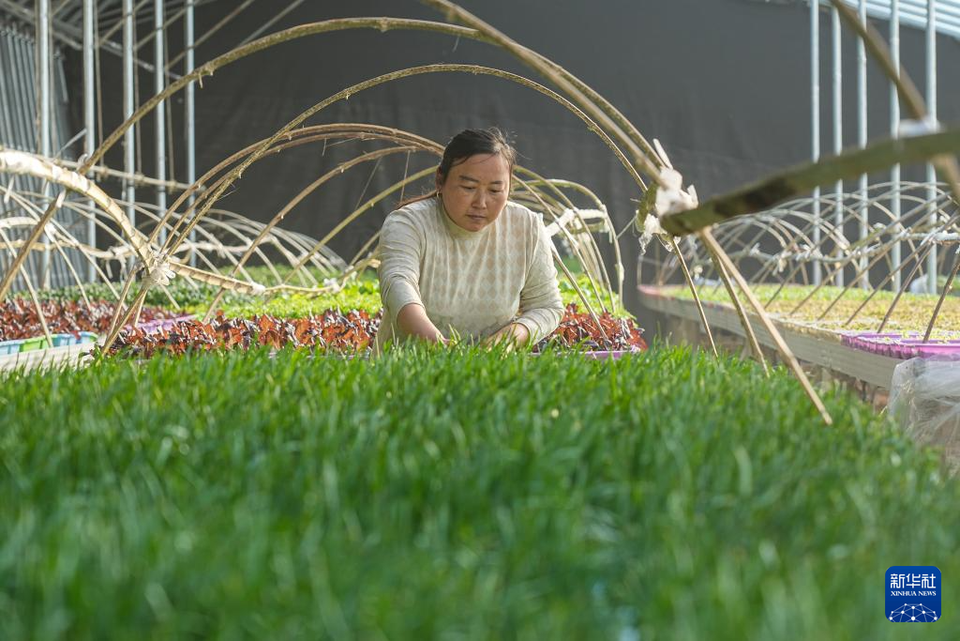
(469,283)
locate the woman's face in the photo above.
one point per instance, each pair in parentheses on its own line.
(475,191)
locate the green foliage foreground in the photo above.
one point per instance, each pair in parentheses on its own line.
(456,494)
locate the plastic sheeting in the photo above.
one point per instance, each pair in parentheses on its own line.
(925,401)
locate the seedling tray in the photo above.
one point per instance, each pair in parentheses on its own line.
(62,340)
(165,323)
(903,344)
(33,344)
(10,347)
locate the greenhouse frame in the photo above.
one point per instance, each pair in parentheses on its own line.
(278,360)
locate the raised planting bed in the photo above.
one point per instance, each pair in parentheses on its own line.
(912,313)
(456,493)
(809,343)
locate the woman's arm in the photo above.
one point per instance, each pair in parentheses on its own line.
(540,304)
(401,247)
(514,335)
(412,320)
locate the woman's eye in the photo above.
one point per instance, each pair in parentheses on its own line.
(468,188)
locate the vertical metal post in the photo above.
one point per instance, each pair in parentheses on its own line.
(18,66)
(815,123)
(190,115)
(862,138)
(129,140)
(838,128)
(46,109)
(6,105)
(160,112)
(895,133)
(89,114)
(932,110)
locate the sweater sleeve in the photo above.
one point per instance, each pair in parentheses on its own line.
(541,308)
(401,246)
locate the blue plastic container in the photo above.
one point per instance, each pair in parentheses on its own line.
(61,340)
(10,347)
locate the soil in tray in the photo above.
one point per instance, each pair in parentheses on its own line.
(913,311)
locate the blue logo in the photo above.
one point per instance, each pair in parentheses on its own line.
(913,594)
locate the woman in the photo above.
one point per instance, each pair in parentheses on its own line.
(465,261)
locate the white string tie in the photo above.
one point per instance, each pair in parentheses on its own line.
(158,271)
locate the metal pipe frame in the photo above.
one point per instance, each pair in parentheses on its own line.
(89,110)
(815,119)
(931,98)
(862,138)
(72,37)
(129,140)
(190,107)
(160,138)
(895,131)
(45,105)
(837,114)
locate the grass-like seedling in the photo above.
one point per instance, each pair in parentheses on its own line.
(455,493)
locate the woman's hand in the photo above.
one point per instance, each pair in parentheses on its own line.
(413,321)
(511,336)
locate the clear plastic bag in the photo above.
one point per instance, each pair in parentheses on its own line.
(925,401)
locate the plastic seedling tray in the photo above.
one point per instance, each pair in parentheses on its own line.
(165,323)
(612,355)
(601,355)
(10,347)
(33,344)
(903,345)
(61,340)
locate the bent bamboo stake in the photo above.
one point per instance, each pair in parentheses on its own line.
(33,297)
(741,312)
(25,164)
(541,199)
(309,189)
(588,255)
(782,346)
(214,193)
(644,158)
(382,24)
(461,68)
(946,290)
(696,295)
(618,261)
(801,179)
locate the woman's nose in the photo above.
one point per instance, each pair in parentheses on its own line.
(479,199)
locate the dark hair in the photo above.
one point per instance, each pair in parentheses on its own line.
(469,142)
